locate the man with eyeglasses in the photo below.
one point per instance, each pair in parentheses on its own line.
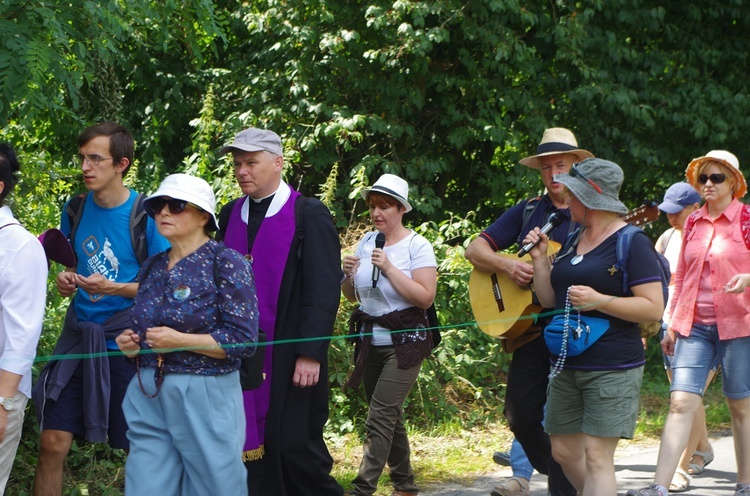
(526,391)
(294,248)
(82,397)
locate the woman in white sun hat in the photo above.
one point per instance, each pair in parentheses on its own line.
(194,317)
(710,315)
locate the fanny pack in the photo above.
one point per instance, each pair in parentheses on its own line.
(571,337)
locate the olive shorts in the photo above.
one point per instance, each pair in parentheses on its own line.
(596,403)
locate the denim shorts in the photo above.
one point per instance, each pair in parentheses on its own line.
(668,358)
(694,355)
(596,403)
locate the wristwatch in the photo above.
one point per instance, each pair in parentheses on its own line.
(6,403)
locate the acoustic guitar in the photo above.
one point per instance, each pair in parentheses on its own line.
(504,309)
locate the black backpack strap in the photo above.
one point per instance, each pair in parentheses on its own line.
(224,214)
(138,224)
(528,211)
(299,224)
(74,210)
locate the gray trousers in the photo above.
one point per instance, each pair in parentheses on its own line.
(386,387)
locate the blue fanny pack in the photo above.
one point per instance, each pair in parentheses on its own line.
(582,331)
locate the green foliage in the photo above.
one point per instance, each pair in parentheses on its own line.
(447,94)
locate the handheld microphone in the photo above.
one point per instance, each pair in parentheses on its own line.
(379,243)
(554,220)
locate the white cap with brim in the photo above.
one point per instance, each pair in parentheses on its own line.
(190,189)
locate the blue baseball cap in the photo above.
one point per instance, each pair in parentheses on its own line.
(679,196)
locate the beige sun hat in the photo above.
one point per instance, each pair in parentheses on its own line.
(556,140)
(725,158)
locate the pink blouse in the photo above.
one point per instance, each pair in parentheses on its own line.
(719,244)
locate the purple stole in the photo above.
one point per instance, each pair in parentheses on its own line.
(269,256)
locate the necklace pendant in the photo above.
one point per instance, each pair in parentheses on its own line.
(576,260)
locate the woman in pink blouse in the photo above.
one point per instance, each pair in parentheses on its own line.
(710,315)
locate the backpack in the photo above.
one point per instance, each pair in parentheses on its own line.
(528,211)
(433,321)
(624,240)
(138,223)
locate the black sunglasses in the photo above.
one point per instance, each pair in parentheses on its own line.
(156,205)
(575,172)
(715,178)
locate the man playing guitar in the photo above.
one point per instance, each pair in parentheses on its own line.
(525,395)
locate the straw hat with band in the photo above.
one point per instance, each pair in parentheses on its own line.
(725,158)
(556,140)
(191,189)
(391,185)
(596,183)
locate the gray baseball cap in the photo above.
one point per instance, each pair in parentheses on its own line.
(255,140)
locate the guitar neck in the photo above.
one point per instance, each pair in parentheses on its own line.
(645,214)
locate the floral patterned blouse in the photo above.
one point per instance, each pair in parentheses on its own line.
(196,297)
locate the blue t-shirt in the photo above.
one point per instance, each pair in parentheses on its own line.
(103,246)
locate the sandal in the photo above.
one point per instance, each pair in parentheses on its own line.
(706,456)
(680,481)
(512,486)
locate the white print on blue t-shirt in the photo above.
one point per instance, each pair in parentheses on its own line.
(103,246)
(102,261)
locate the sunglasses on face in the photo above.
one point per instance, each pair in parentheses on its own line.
(715,178)
(156,205)
(574,172)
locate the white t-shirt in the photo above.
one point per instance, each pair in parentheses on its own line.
(411,253)
(669,244)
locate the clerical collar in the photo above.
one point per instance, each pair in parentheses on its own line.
(278,199)
(261,200)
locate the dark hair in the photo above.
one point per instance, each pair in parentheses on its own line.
(377,199)
(121,142)
(9,168)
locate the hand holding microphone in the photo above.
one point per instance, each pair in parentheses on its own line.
(553,221)
(379,243)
